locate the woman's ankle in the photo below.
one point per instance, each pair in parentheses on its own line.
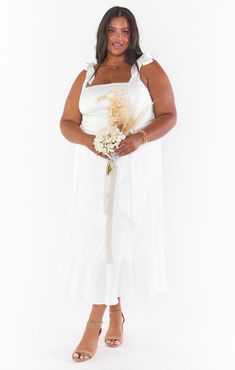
(116,307)
(97,312)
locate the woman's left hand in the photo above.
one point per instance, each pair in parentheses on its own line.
(129,144)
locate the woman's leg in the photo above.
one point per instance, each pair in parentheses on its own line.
(115,324)
(90,336)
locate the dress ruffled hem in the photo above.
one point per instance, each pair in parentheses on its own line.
(97,282)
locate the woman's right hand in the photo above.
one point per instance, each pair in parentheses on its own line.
(90,145)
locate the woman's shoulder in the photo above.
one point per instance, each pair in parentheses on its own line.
(150,65)
(148,62)
(77,83)
(87,68)
(145,59)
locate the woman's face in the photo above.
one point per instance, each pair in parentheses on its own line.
(118,35)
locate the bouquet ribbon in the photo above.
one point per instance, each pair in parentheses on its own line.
(125,202)
(108,207)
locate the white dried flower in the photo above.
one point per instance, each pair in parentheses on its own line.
(107,139)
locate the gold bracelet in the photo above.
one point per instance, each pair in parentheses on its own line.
(145,136)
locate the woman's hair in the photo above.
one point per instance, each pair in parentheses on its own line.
(133,52)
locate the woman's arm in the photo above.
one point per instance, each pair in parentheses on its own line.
(161,92)
(159,86)
(71,117)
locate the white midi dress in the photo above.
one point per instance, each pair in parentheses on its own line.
(130,262)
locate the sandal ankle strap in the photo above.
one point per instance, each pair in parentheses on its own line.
(118,311)
(115,311)
(95,322)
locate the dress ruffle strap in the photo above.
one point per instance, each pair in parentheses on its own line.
(144,59)
(90,70)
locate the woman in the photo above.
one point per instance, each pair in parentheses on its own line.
(129,264)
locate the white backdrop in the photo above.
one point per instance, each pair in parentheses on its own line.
(45,44)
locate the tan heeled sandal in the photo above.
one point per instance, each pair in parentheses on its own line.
(115,338)
(85,353)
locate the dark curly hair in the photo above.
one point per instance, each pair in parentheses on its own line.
(133,51)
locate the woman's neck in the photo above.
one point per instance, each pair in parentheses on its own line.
(114,60)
